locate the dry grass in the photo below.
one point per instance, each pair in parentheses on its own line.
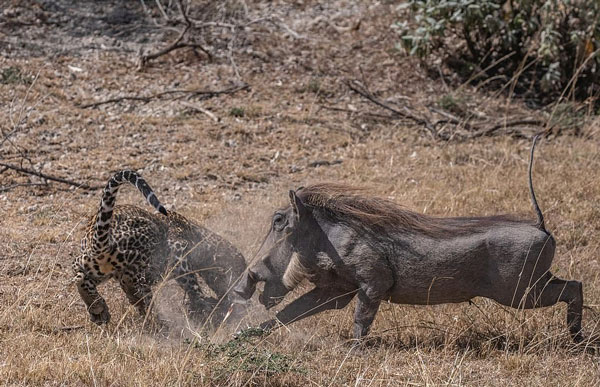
(230,175)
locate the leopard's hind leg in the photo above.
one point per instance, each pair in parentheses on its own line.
(87,287)
(199,304)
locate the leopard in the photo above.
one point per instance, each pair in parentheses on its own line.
(138,248)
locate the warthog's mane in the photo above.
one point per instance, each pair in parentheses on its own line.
(352,205)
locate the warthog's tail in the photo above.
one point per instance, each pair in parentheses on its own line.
(536,207)
(105,212)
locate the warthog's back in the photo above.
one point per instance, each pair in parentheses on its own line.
(495,258)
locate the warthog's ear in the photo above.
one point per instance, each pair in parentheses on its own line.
(299,208)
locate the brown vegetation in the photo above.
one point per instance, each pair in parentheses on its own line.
(229,160)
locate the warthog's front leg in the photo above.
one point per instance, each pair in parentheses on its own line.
(313,302)
(366,309)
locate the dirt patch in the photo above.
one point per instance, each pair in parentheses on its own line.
(58,28)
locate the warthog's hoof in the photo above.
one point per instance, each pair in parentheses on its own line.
(577,337)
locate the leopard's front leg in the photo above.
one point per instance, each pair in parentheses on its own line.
(134,283)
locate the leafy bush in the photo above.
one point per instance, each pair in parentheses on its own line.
(547,46)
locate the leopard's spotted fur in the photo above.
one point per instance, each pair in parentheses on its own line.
(137,248)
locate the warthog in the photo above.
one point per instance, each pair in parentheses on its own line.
(350,244)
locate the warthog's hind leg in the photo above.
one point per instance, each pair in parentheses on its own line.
(571,292)
(550,292)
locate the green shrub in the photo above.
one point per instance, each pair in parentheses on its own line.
(12,75)
(547,46)
(244,353)
(237,112)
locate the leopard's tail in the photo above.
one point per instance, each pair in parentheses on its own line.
(103,220)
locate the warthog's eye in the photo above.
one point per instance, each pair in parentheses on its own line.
(278,222)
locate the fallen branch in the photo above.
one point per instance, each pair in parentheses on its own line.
(278,22)
(354,86)
(510,124)
(189,93)
(350,111)
(175,45)
(9,187)
(320,163)
(473,130)
(450,118)
(201,110)
(48,177)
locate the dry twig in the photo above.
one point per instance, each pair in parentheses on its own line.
(473,130)
(201,110)
(48,177)
(12,186)
(68,328)
(206,94)
(355,86)
(510,124)
(350,111)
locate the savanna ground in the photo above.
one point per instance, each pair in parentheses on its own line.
(231,167)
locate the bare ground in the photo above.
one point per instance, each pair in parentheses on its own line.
(230,168)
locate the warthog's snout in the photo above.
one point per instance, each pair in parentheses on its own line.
(247,285)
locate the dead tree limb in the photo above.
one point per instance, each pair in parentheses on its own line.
(183,13)
(68,328)
(176,44)
(354,86)
(201,110)
(206,94)
(510,124)
(358,112)
(12,186)
(147,57)
(473,130)
(48,177)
